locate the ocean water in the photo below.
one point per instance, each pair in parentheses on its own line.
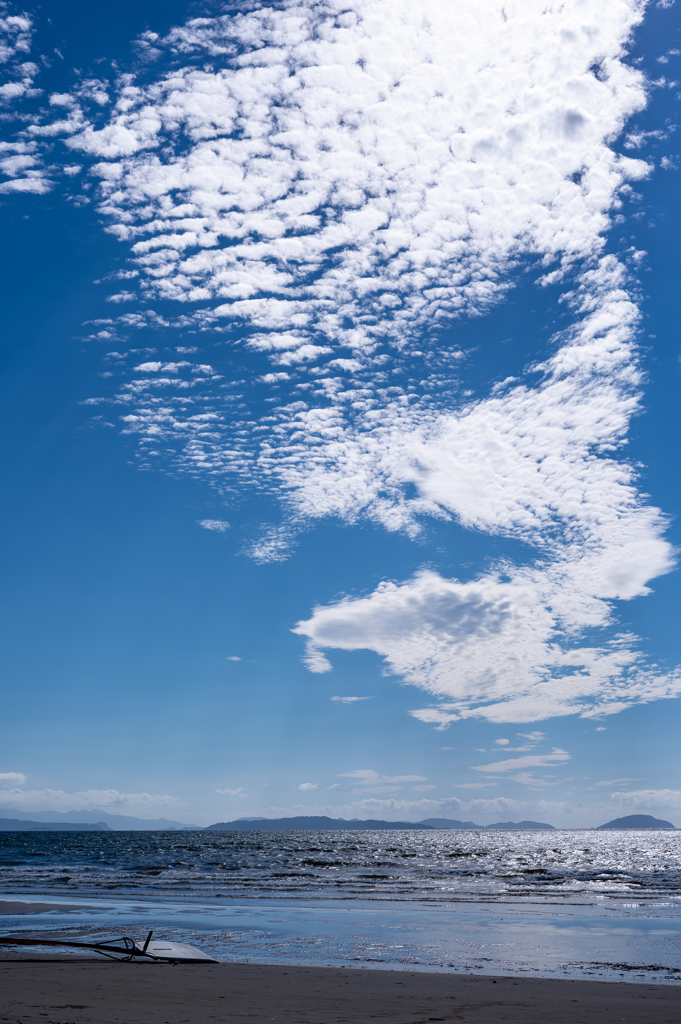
(603,904)
(614,868)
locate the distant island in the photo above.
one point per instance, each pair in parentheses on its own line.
(309,822)
(336,824)
(20,825)
(638,821)
(453,823)
(117,822)
(448,823)
(521,824)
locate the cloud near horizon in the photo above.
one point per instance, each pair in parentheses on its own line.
(644,800)
(11,779)
(103,799)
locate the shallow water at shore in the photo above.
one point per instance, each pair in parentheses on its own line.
(518,941)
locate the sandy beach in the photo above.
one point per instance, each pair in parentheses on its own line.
(62,990)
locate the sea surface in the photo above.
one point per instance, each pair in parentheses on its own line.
(602,904)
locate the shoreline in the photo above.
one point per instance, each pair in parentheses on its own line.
(66,990)
(633,950)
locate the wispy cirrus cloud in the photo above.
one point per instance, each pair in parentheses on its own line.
(369,780)
(513,764)
(616,782)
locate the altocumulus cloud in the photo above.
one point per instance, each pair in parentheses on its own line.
(21,165)
(330,186)
(217,525)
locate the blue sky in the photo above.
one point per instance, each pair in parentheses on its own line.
(341,361)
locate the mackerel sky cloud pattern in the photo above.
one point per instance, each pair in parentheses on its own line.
(21,164)
(331,187)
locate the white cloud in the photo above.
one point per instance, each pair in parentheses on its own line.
(231,792)
(615,782)
(159,367)
(349,181)
(349,700)
(531,738)
(219,525)
(11,779)
(308,785)
(21,159)
(474,785)
(530,761)
(108,799)
(16,31)
(395,808)
(316,660)
(233,657)
(645,799)
(491,648)
(346,131)
(369,777)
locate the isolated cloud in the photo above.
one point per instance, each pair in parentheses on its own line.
(492,648)
(218,525)
(348,700)
(308,785)
(556,756)
(11,779)
(231,792)
(614,782)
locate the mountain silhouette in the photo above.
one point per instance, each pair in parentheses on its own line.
(521,824)
(23,825)
(448,823)
(638,821)
(311,822)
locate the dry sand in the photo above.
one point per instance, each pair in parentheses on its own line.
(62,990)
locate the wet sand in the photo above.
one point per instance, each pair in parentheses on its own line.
(63,990)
